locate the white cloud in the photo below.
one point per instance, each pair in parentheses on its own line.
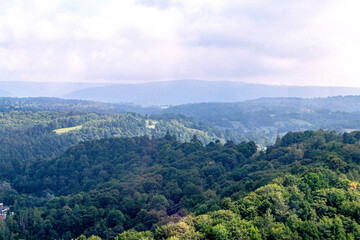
(278,42)
(75,63)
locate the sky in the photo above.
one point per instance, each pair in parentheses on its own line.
(291,42)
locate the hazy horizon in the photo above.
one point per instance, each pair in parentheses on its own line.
(168,92)
(176,80)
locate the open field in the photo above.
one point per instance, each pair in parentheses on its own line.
(65,130)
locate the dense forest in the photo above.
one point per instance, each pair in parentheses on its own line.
(27,135)
(72,169)
(258,120)
(272,116)
(8,104)
(303,187)
(34,128)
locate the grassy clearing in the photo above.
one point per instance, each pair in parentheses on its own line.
(151,124)
(65,130)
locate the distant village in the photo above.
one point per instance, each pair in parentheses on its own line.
(3,211)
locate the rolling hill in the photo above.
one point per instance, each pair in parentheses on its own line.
(42,89)
(174,92)
(141,188)
(194,91)
(272,116)
(4,93)
(260,120)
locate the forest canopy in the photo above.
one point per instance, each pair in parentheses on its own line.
(304,187)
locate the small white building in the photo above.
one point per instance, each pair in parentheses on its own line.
(3,211)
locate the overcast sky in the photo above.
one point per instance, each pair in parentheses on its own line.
(300,42)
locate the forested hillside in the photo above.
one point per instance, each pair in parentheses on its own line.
(27,135)
(8,104)
(258,120)
(272,116)
(303,187)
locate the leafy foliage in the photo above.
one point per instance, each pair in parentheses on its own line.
(181,183)
(265,118)
(27,135)
(305,187)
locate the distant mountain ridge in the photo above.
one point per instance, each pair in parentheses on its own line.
(42,89)
(4,93)
(174,92)
(196,91)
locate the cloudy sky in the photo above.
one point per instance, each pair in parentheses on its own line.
(307,42)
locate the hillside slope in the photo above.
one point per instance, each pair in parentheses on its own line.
(32,135)
(304,187)
(272,116)
(4,93)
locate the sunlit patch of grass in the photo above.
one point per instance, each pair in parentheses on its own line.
(65,130)
(151,124)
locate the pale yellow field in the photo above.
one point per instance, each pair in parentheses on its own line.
(64,130)
(152,125)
